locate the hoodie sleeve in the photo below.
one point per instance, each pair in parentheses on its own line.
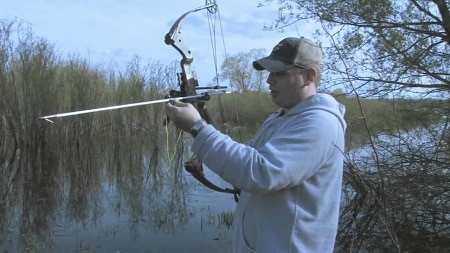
(292,154)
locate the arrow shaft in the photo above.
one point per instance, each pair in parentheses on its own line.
(115,107)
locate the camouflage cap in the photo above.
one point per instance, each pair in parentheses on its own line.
(290,52)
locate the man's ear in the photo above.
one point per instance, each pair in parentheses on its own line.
(311,76)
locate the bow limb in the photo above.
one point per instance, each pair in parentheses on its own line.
(188,82)
(173,38)
(195,167)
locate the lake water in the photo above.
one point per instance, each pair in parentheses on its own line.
(87,193)
(89,196)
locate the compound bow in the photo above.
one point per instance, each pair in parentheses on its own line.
(188,86)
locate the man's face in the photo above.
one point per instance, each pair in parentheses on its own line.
(286,87)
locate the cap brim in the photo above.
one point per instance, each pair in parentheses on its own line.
(271,64)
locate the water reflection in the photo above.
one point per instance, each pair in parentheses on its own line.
(100,193)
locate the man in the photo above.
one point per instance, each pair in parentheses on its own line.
(290,173)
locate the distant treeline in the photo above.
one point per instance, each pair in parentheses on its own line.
(380,115)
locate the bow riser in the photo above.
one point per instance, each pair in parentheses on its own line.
(188,82)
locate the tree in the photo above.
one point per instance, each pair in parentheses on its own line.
(386,45)
(394,195)
(238,69)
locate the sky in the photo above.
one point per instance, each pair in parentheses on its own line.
(111,32)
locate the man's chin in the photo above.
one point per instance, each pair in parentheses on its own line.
(275,100)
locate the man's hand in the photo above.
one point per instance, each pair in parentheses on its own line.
(183,115)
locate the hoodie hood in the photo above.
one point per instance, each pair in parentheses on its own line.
(321,101)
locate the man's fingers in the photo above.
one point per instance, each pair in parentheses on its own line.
(178,103)
(174,107)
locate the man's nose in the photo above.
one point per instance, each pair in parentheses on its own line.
(270,80)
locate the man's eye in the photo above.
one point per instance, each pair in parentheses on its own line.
(282,73)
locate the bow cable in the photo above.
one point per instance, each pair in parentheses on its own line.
(212,31)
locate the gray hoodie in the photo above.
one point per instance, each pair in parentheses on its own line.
(290,175)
